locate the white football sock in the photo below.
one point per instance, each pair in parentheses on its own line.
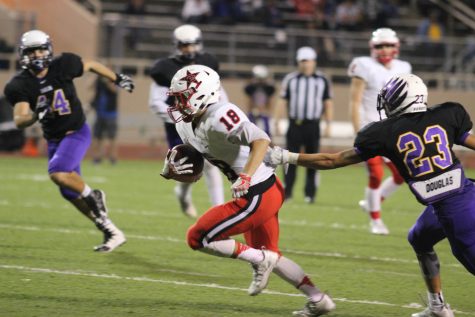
(436,300)
(251,255)
(214,182)
(373,197)
(223,248)
(183,191)
(292,273)
(86,191)
(388,187)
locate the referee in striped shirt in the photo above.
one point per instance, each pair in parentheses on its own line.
(307,96)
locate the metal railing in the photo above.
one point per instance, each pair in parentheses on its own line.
(150,38)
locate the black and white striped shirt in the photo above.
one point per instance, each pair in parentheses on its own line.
(305,95)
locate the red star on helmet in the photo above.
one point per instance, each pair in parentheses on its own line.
(190,78)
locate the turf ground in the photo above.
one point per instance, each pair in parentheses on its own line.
(48,268)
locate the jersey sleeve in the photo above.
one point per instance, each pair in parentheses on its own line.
(71,65)
(14,92)
(463,123)
(159,73)
(369,141)
(229,121)
(358,69)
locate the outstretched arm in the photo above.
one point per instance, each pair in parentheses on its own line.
(470,141)
(320,161)
(121,80)
(324,161)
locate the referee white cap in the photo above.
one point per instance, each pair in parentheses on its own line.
(306,53)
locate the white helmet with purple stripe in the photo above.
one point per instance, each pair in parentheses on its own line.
(405,93)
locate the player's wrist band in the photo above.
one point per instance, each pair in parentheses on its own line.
(293,157)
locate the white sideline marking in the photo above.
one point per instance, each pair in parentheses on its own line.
(175,240)
(207,285)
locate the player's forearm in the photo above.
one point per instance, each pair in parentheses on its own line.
(25,120)
(324,161)
(23,116)
(100,69)
(258,151)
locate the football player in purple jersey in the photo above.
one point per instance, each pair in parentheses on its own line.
(418,140)
(44,91)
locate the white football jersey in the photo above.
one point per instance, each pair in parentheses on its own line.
(215,137)
(375,75)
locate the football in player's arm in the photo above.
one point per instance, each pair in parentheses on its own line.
(418,140)
(44,91)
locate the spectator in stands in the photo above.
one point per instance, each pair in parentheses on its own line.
(271,15)
(379,12)
(349,15)
(196,11)
(259,92)
(228,12)
(105,126)
(135,7)
(431,32)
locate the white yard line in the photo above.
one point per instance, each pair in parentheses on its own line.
(199,285)
(177,240)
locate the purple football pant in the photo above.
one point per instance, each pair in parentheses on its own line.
(65,155)
(452,218)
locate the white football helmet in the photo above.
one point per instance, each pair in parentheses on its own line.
(194,87)
(188,34)
(31,41)
(260,71)
(381,37)
(401,94)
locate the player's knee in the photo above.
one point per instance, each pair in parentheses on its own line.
(193,238)
(57,178)
(417,241)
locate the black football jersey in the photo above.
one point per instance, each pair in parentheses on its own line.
(163,70)
(56,89)
(419,144)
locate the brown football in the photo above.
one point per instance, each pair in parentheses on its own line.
(194,157)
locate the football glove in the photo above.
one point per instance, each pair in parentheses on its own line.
(172,167)
(277,156)
(43,112)
(124,82)
(241,186)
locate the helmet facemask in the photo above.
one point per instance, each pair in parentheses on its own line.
(194,88)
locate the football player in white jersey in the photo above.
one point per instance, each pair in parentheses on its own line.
(222,132)
(189,50)
(368,75)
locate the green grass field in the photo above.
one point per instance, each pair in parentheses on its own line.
(48,268)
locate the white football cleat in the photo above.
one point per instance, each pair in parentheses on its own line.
(445,311)
(261,272)
(377,226)
(363,205)
(113,238)
(312,309)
